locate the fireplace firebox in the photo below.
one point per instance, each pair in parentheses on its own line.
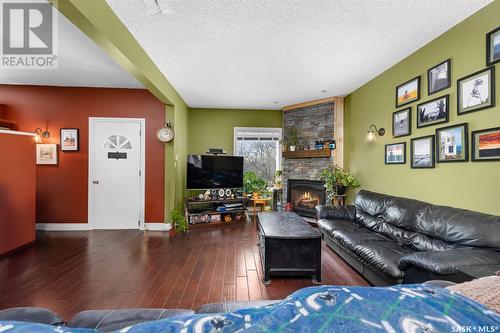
(304,195)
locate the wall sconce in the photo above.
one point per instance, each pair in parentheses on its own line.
(41,134)
(370,136)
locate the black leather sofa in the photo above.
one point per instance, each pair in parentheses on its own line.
(112,320)
(392,240)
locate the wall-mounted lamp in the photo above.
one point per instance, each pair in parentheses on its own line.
(41,134)
(370,136)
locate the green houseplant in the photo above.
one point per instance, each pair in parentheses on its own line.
(337,180)
(252,183)
(179,223)
(292,138)
(278,180)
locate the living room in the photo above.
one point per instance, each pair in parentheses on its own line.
(253,166)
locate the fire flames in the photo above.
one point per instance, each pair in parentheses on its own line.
(307,200)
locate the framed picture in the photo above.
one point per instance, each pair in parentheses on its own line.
(476,91)
(395,153)
(486,144)
(422,151)
(433,112)
(46,153)
(408,92)
(439,77)
(401,123)
(69,139)
(493,47)
(452,144)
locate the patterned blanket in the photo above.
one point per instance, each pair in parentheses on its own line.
(403,308)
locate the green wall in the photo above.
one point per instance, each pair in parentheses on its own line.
(470,185)
(213,128)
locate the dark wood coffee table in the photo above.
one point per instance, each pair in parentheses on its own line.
(289,246)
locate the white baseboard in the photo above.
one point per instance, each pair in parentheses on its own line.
(62,226)
(85,226)
(158,226)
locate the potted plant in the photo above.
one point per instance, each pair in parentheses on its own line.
(337,180)
(179,223)
(292,138)
(278,180)
(252,183)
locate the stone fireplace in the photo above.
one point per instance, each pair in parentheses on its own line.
(304,195)
(312,123)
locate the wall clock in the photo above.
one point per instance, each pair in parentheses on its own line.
(166,133)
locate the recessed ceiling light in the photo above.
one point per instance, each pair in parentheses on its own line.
(275,102)
(323,91)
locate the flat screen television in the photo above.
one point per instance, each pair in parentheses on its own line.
(211,172)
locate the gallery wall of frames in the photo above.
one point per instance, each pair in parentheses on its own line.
(458,142)
(470,185)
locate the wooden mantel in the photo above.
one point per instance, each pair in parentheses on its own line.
(338,135)
(304,104)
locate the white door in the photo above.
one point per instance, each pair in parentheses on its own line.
(116,187)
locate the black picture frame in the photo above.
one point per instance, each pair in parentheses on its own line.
(489,60)
(433,152)
(491,90)
(394,114)
(474,143)
(63,146)
(448,77)
(412,100)
(395,144)
(464,143)
(442,120)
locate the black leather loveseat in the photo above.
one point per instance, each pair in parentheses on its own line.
(397,240)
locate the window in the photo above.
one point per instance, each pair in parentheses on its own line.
(260,148)
(117,142)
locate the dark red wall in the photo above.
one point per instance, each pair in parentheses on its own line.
(61,191)
(17,191)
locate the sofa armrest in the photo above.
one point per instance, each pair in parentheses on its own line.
(447,262)
(335,212)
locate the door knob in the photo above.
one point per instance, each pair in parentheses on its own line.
(95,182)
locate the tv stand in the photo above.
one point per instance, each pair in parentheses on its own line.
(202,213)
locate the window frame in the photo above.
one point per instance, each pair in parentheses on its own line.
(261,130)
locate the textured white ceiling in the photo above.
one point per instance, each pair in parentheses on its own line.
(81,63)
(250,53)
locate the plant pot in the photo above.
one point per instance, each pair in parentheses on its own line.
(341,189)
(172,233)
(292,148)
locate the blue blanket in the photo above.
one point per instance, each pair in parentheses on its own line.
(403,308)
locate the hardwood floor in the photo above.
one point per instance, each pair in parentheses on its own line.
(69,272)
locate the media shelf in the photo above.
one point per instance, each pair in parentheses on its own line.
(204,214)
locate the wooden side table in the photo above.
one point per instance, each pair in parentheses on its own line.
(338,200)
(256,201)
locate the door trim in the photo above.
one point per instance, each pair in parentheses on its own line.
(142,197)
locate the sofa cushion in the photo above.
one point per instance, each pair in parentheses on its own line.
(415,240)
(110,320)
(31,314)
(330,225)
(448,262)
(347,212)
(457,227)
(460,226)
(383,255)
